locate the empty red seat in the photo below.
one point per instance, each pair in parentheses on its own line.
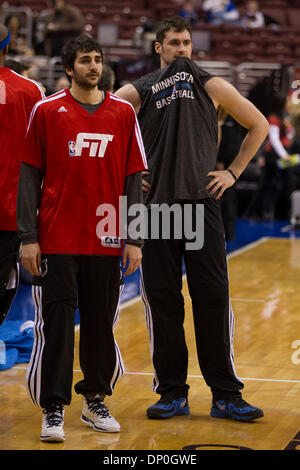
(250,49)
(293,15)
(297,52)
(278,52)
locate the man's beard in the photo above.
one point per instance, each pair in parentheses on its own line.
(84,82)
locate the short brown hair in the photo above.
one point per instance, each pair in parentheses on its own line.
(174,22)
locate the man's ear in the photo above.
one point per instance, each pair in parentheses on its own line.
(157,47)
(69,72)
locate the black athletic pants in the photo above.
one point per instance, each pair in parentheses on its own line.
(91,283)
(9,245)
(161,284)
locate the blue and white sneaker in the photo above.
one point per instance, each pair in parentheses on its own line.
(167,407)
(235,408)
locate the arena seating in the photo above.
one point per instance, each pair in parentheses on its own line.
(227,43)
(129,14)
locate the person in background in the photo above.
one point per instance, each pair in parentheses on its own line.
(275,185)
(253,17)
(63,23)
(230,139)
(61,84)
(188,12)
(295,150)
(220,11)
(18,96)
(17,66)
(107,80)
(17,46)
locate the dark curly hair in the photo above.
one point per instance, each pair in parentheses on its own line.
(82,44)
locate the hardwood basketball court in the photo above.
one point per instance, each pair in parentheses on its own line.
(264,281)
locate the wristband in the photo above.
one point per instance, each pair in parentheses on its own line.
(232,174)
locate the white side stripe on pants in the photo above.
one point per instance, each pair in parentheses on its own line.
(231,335)
(119,367)
(33,376)
(149,323)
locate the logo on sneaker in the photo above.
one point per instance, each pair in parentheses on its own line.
(62,110)
(221,406)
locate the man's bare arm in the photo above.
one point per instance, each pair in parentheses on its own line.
(243,111)
(129,93)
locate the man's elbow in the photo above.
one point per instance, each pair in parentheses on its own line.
(264,126)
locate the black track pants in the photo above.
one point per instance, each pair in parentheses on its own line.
(9,271)
(93,284)
(207,277)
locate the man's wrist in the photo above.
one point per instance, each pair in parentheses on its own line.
(232,174)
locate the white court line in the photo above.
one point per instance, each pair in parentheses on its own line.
(138,298)
(193,376)
(242,378)
(236,299)
(130,302)
(248,247)
(289,228)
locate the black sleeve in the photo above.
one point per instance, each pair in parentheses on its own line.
(204,76)
(28,201)
(139,85)
(133,191)
(144,83)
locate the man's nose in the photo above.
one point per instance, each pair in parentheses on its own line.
(93,65)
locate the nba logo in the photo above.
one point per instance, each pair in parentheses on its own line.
(72,151)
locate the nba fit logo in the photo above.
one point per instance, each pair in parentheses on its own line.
(176,221)
(96,143)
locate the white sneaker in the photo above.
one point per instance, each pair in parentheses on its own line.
(97,415)
(52,425)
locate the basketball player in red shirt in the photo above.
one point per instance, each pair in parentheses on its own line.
(17,98)
(84,146)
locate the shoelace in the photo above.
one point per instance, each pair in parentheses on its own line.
(167,398)
(238,402)
(54,415)
(97,406)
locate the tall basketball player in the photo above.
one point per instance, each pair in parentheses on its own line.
(177,107)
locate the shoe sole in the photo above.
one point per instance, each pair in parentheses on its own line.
(91,423)
(52,438)
(215,413)
(153,414)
